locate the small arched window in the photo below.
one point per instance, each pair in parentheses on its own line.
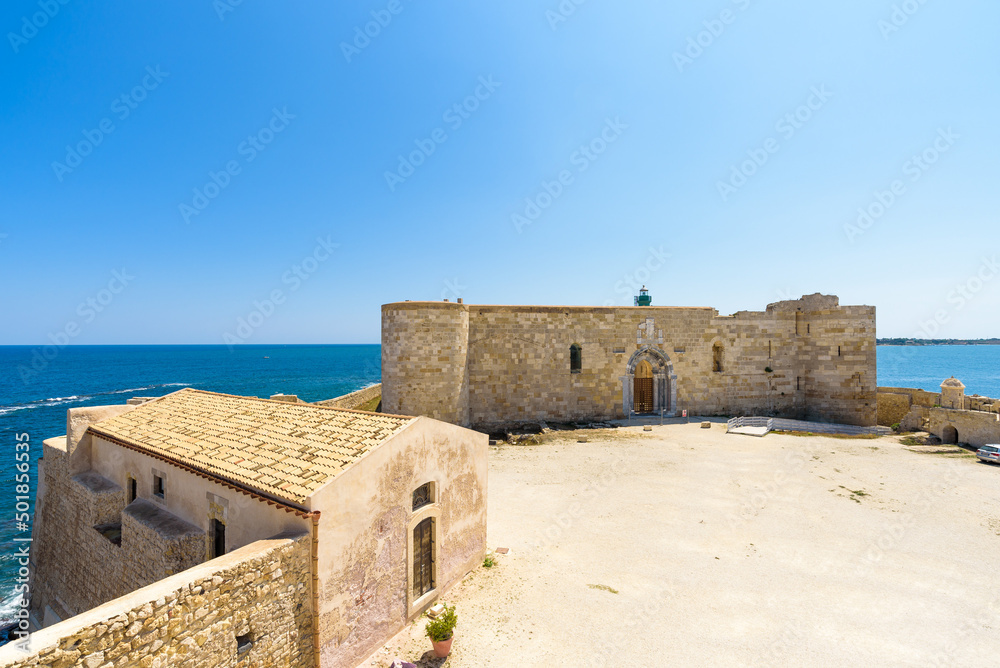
(575,358)
(717,358)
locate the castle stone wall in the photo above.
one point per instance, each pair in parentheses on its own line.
(193,619)
(426,347)
(974,427)
(893,407)
(354,399)
(489,366)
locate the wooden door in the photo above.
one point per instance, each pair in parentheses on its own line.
(642,395)
(423,558)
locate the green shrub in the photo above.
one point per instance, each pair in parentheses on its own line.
(443,627)
(490,561)
(895,427)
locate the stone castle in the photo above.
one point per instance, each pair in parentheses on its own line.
(494,366)
(201,529)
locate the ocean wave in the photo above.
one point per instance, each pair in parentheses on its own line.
(9,605)
(79,398)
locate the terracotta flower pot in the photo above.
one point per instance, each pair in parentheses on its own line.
(442,647)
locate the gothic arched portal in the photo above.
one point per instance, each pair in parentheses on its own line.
(649,368)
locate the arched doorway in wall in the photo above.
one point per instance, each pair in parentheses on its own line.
(949,435)
(647,367)
(642,387)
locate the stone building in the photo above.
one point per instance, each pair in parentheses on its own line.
(491,366)
(949,414)
(208,529)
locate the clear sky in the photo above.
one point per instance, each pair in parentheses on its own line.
(270,173)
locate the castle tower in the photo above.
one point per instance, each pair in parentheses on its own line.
(953,394)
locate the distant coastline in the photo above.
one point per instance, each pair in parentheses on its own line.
(937,342)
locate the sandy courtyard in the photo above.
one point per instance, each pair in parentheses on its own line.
(691,547)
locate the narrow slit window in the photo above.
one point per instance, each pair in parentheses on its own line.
(838,351)
(768,350)
(133,490)
(717,358)
(218,538)
(158,486)
(575,358)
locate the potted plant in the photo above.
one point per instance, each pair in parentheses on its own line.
(441,631)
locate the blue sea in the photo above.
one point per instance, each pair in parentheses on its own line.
(38,384)
(35,391)
(924,367)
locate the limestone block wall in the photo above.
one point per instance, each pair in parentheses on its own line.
(354,399)
(425,347)
(973,427)
(892,407)
(74,566)
(261,593)
(163,543)
(917,397)
(809,359)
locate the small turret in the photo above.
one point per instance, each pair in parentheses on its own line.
(643,299)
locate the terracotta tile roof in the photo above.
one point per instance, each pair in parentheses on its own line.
(281,449)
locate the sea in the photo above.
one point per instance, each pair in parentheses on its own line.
(38,384)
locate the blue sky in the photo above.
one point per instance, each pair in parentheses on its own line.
(273,174)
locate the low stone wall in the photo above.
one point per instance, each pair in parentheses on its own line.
(917,397)
(973,427)
(260,593)
(892,407)
(354,399)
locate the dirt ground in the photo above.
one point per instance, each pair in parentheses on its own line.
(690,547)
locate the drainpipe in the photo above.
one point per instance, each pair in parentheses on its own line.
(315,585)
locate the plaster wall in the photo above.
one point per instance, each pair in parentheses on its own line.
(366,526)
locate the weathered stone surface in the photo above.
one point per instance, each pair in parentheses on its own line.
(274,611)
(490,366)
